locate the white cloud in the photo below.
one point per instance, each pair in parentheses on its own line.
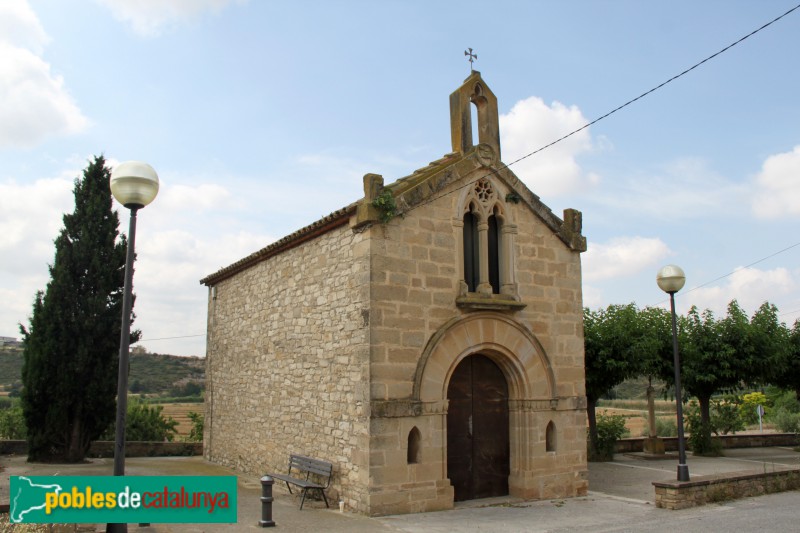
(749,286)
(622,256)
(150,17)
(592,296)
(778,186)
(187,233)
(332,169)
(34,103)
(530,124)
(30,219)
(170,302)
(686,188)
(181,238)
(20,27)
(200,198)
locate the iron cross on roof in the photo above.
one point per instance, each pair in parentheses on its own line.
(472,57)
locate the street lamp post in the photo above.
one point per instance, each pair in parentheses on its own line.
(134,184)
(671,279)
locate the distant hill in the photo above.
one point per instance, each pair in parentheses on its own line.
(151,373)
(170,375)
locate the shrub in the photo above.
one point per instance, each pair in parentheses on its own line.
(198,422)
(786,421)
(750,403)
(699,439)
(726,416)
(12,423)
(609,430)
(667,428)
(145,423)
(190,389)
(786,400)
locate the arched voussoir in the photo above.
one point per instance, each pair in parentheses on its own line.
(507,342)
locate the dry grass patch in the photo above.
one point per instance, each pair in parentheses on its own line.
(180,413)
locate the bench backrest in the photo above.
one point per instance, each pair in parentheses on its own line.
(310,466)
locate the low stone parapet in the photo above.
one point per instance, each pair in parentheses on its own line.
(733,485)
(728,441)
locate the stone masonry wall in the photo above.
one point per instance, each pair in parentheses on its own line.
(414,278)
(287,363)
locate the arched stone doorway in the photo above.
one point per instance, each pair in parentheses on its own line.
(528,375)
(477,429)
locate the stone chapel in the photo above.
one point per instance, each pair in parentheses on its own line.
(426,339)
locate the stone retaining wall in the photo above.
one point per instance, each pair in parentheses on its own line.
(728,441)
(709,489)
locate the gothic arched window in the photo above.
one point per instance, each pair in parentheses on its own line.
(471,251)
(494,253)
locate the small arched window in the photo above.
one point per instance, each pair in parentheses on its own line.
(414,445)
(550,437)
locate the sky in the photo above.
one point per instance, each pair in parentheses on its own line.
(261,117)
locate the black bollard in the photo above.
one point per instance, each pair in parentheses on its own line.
(266,502)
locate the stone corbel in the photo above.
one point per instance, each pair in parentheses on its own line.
(366,212)
(570,230)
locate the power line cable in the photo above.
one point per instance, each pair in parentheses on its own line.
(170,338)
(734,271)
(629,102)
(744,267)
(595,121)
(626,104)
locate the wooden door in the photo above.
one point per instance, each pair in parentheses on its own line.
(477,430)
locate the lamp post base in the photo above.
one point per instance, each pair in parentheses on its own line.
(683,472)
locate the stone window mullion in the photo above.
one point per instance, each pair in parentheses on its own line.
(508,281)
(484,287)
(458,224)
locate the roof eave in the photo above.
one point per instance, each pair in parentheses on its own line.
(320,227)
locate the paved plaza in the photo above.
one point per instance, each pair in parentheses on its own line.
(620,499)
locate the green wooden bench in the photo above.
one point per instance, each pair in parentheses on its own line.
(314,474)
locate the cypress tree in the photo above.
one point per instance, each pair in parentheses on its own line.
(70,362)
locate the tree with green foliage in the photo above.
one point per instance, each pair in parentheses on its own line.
(709,364)
(771,355)
(614,339)
(655,344)
(719,356)
(787,374)
(70,364)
